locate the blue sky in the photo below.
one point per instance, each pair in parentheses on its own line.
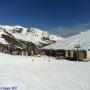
(68,16)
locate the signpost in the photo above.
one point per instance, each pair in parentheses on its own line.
(77,47)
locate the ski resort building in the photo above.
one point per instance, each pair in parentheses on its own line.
(11,49)
(80,55)
(22,52)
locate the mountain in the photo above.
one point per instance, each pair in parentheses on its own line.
(82,39)
(35,36)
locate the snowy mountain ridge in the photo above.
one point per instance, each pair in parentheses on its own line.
(82,39)
(33,35)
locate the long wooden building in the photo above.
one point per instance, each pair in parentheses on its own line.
(11,49)
(80,55)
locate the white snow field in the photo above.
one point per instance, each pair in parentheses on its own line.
(43,73)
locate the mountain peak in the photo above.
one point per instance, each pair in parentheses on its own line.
(34,35)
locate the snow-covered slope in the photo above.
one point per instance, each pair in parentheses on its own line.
(2,40)
(33,35)
(82,39)
(36,73)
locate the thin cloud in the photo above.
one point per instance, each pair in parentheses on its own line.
(69,31)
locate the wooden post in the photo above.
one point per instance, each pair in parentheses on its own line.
(32,53)
(26,54)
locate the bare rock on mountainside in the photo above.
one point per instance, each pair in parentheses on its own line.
(26,37)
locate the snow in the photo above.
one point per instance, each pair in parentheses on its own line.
(43,73)
(82,39)
(35,35)
(8,28)
(2,40)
